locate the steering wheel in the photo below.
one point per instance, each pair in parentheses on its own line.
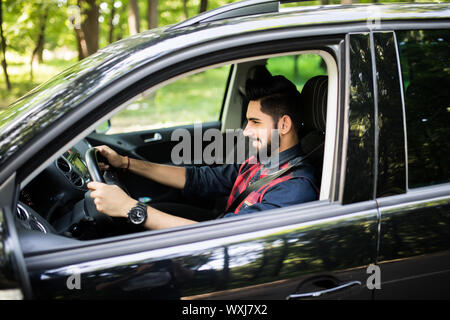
(92,165)
(92,159)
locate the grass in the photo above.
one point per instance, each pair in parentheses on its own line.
(21,81)
(195,99)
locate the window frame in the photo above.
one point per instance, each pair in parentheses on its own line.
(289,213)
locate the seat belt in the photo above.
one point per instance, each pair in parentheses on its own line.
(256,185)
(261,182)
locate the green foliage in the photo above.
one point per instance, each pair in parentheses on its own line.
(23,19)
(297,69)
(194,99)
(19,69)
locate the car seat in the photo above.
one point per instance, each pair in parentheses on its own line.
(314,110)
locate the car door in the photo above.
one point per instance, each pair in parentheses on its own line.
(14,279)
(324,254)
(320,249)
(413,190)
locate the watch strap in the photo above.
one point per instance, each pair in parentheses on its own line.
(141,204)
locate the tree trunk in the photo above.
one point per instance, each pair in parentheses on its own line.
(152,14)
(3,47)
(75,20)
(89,26)
(133,17)
(185,9)
(203,6)
(81,44)
(111,24)
(36,55)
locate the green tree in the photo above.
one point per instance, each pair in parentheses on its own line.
(3,49)
(37,53)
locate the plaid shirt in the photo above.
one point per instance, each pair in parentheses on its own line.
(295,187)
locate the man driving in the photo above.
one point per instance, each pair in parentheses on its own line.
(274,104)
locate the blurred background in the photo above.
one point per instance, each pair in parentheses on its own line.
(40,38)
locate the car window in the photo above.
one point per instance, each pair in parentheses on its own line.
(425,62)
(298,68)
(194,99)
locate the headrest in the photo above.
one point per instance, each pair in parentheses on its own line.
(258,72)
(314,98)
(254,72)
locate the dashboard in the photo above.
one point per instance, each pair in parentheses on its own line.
(55,208)
(73,166)
(53,203)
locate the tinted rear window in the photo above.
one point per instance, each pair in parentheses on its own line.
(425,61)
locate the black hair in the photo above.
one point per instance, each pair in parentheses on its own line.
(278,96)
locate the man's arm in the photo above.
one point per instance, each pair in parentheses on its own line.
(160,220)
(171,176)
(114,202)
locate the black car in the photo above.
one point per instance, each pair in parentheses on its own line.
(376,82)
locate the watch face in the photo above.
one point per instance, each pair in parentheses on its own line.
(137,215)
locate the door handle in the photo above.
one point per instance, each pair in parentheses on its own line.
(320,293)
(156,137)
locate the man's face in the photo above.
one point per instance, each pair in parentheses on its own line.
(259,126)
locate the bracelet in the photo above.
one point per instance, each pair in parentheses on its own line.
(128,165)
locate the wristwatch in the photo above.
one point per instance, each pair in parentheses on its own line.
(138,214)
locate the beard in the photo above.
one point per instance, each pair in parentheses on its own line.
(266,151)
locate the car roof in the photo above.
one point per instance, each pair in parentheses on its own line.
(49,102)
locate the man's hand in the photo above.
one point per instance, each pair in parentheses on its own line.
(113,201)
(110,199)
(115,159)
